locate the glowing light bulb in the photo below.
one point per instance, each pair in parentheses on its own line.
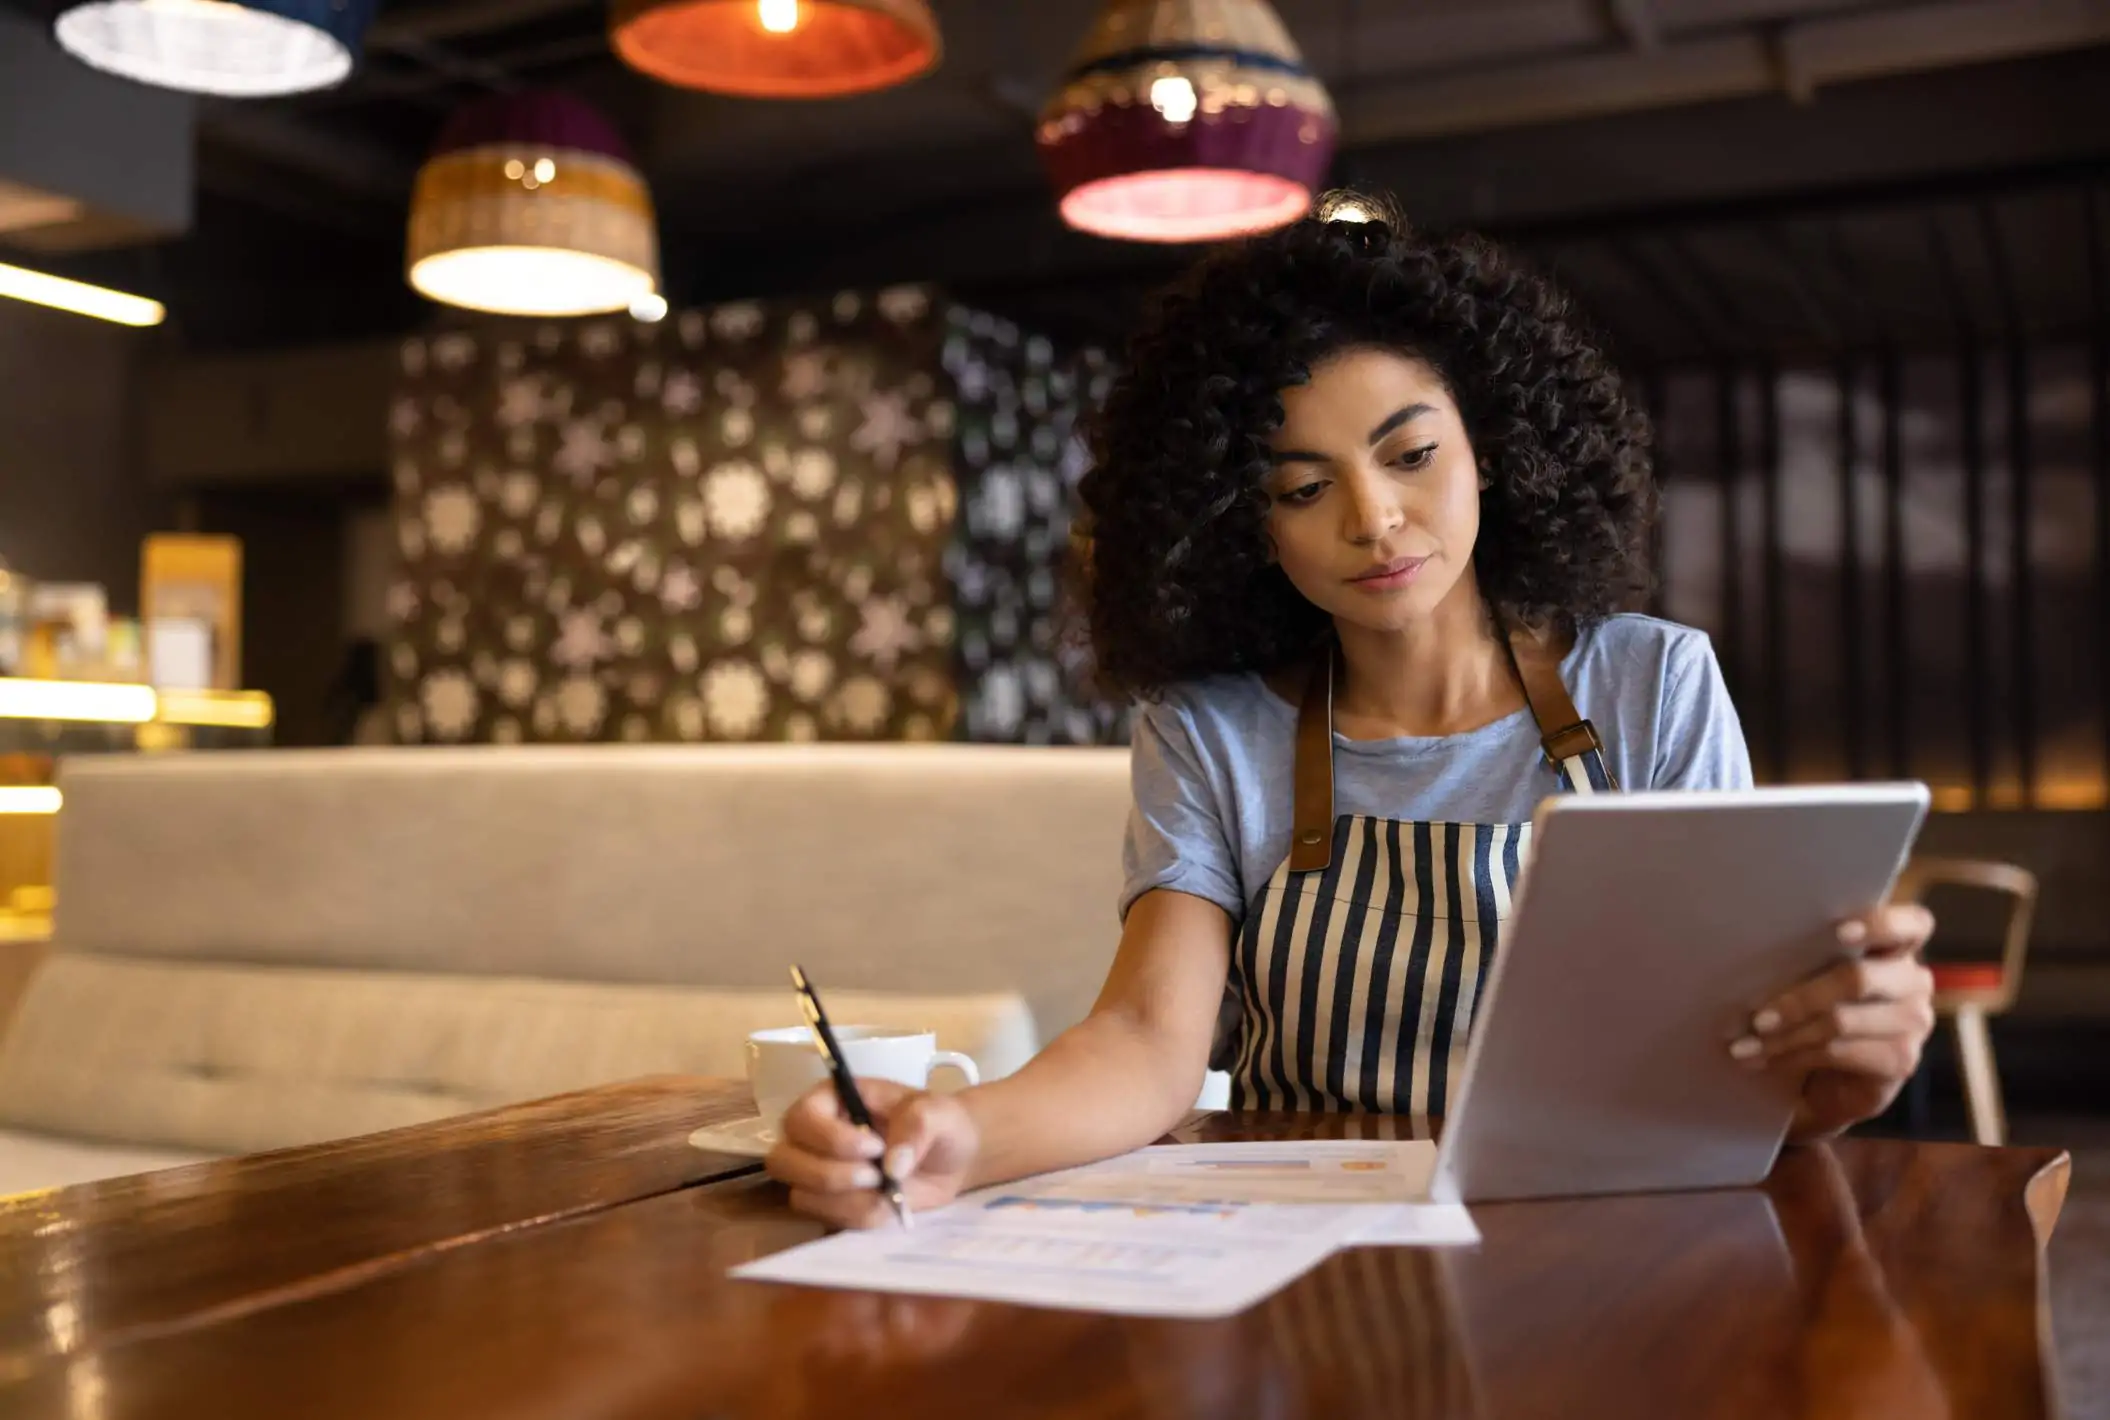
(649,308)
(545,170)
(779,17)
(1350,212)
(1173,97)
(515,169)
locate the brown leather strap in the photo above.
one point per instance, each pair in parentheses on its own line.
(1311,812)
(1562,728)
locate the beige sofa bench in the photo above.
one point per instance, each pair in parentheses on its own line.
(268,949)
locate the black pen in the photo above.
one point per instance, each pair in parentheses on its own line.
(846,1088)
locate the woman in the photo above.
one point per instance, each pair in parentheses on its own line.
(1363,510)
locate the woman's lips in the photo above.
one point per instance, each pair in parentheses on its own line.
(1390,577)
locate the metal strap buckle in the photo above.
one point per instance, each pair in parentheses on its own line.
(1579,738)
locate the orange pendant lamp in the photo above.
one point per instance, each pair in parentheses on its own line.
(777,49)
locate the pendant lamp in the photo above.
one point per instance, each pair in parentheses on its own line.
(529,205)
(232,48)
(776,49)
(1187,121)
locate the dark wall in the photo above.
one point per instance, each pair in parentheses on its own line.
(74,502)
(293,579)
(1905,564)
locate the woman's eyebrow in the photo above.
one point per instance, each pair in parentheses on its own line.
(1403,416)
(1399,417)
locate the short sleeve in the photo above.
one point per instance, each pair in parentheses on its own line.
(1700,740)
(1176,834)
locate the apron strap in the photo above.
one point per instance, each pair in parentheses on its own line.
(1311,804)
(1562,729)
(1567,736)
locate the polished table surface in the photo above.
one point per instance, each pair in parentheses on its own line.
(104,1263)
(568,1258)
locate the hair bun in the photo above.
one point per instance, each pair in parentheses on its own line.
(1347,204)
(1369,219)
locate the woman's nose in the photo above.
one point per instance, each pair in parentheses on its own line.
(1373,514)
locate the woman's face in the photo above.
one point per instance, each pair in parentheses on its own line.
(1374,498)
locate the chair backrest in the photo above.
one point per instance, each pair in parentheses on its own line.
(1924,873)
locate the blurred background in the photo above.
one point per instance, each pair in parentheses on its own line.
(766,428)
(1851,252)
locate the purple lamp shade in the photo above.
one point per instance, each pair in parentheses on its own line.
(1187,120)
(544,119)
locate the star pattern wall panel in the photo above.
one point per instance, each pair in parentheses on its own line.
(728,526)
(1018,455)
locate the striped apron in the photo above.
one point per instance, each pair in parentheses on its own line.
(1356,971)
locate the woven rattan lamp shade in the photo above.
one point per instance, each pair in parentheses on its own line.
(830,49)
(530,205)
(1186,121)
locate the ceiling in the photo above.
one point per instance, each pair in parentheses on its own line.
(1716,178)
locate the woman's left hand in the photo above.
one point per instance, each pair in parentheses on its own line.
(1852,1035)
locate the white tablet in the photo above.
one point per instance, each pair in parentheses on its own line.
(1646,929)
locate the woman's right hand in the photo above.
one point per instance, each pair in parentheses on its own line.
(832,1166)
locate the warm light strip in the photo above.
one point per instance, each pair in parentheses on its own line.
(106,703)
(235,709)
(29,799)
(76,700)
(78,297)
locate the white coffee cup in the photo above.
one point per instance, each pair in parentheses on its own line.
(785,1063)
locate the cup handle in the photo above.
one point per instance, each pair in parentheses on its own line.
(964,1064)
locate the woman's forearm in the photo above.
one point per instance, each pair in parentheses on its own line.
(1131,1069)
(1109,1084)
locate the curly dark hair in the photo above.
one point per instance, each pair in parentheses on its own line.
(1173,569)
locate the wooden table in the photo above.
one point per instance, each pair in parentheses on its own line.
(567,1258)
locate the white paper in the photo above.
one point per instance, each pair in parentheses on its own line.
(1387,1181)
(1179,1231)
(1139,1259)
(1302,1171)
(1419,1225)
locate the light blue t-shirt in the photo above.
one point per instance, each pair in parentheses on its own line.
(1213,762)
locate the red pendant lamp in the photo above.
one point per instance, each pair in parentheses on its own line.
(1187,121)
(776,49)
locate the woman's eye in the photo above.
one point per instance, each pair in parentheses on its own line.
(1416,458)
(1300,495)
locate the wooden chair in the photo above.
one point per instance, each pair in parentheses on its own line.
(1970,993)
